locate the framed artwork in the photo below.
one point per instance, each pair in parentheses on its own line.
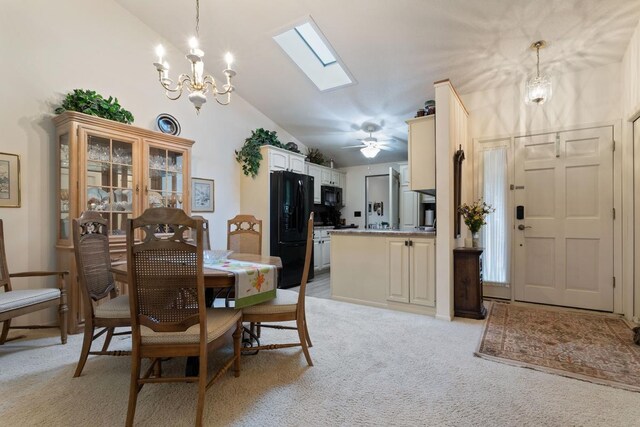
(202,192)
(9,180)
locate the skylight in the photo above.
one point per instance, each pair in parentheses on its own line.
(315,43)
(311,51)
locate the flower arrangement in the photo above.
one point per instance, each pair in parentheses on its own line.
(474,214)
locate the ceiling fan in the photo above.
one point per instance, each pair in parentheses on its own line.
(370,146)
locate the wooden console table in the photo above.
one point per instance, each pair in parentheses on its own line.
(467,283)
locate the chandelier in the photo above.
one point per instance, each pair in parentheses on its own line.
(537,89)
(370,151)
(197,83)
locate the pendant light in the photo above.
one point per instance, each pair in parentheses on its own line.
(537,89)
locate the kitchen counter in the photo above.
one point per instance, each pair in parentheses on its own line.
(392,269)
(383,232)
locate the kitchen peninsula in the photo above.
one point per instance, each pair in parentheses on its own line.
(384,268)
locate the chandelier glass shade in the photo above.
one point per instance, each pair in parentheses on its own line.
(370,151)
(197,83)
(537,89)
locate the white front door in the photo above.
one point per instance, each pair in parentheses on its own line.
(564,243)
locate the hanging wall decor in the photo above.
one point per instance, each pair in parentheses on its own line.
(9,180)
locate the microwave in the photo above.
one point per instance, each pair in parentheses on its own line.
(331,196)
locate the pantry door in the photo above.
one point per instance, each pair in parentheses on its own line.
(564,241)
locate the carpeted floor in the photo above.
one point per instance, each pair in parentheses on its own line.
(592,347)
(374,367)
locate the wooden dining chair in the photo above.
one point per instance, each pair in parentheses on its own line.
(244,234)
(287,306)
(168,312)
(206,242)
(17,302)
(93,261)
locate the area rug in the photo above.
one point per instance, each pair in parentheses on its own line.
(592,347)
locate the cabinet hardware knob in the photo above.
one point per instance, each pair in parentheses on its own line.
(137,188)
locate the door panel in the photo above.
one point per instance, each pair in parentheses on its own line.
(564,255)
(422,275)
(397,256)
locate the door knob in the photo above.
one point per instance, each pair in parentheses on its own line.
(522,226)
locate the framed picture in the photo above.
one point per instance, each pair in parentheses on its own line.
(202,193)
(9,180)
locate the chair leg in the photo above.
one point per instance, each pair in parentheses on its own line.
(63,311)
(237,336)
(202,388)
(303,339)
(306,332)
(86,347)
(258,329)
(5,331)
(107,340)
(133,388)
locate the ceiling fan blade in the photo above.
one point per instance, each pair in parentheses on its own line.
(354,146)
(386,148)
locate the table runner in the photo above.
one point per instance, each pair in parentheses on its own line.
(255,283)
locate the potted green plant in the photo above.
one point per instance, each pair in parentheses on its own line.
(249,155)
(94,104)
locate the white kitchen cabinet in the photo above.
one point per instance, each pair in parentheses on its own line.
(409,208)
(317,254)
(325,177)
(316,173)
(398,261)
(404,174)
(321,249)
(335,178)
(283,160)
(422,277)
(296,163)
(422,153)
(411,266)
(326,253)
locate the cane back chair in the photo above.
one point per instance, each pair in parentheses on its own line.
(93,261)
(287,306)
(168,312)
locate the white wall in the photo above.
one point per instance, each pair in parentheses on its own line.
(590,96)
(48,50)
(355,192)
(630,88)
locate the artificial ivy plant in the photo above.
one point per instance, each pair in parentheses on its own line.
(249,155)
(92,103)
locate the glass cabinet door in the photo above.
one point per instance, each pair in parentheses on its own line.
(109,180)
(63,185)
(165,178)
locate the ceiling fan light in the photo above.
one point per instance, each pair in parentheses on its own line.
(370,151)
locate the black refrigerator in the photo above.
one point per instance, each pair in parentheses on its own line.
(291,204)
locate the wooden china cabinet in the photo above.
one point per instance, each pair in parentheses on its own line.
(116,169)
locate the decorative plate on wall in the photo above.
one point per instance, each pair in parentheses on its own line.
(168,124)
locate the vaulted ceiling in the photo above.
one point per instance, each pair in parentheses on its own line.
(394,49)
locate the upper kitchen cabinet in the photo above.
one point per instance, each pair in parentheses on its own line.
(422,153)
(316,172)
(119,171)
(283,160)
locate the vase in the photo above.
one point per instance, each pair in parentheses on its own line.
(475,239)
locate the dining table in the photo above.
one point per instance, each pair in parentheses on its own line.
(213,279)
